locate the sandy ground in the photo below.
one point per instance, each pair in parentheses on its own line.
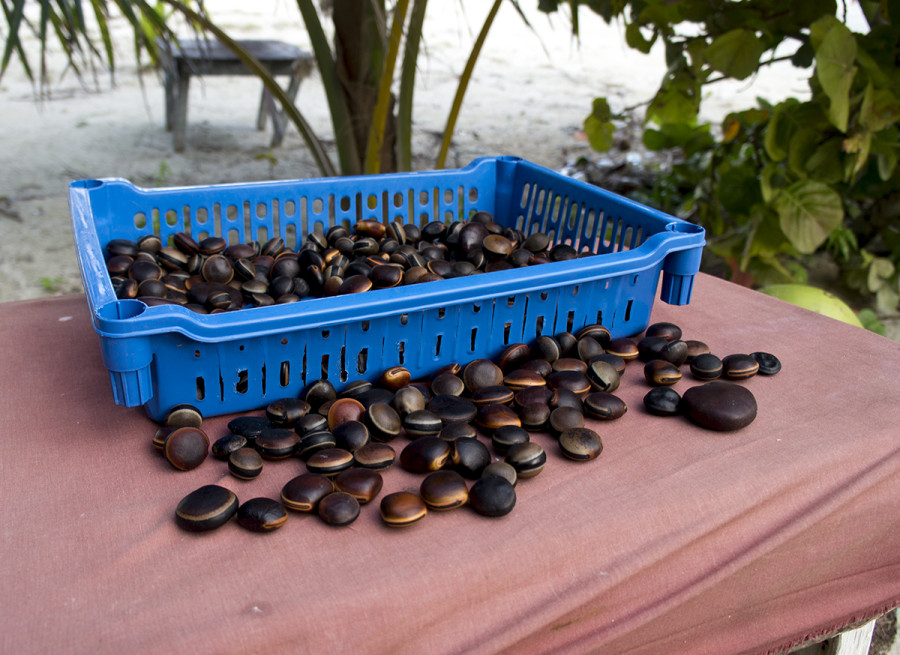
(532,88)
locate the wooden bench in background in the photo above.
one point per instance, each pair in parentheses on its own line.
(190,57)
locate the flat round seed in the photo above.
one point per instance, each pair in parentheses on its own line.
(407,399)
(580,444)
(769,364)
(569,364)
(546,347)
(623,347)
(675,351)
(578,383)
(343,410)
(329,461)
(603,376)
(376,395)
(604,406)
(481,373)
(402,508)
(720,405)
(447,384)
(224,446)
(319,392)
(533,395)
(540,366)
(443,490)
(491,417)
(706,367)
(425,454)
(660,373)
(422,423)
(159,438)
(469,456)
(313,442)
(492,496)
(351,435)
(565,418)
(303,493)
(338,509)
(527,458)
(739,366)
(183,416)
(695,348)
(496,395)
(664,329)
(503,470)
(522,378)
(363,484)
(663,401)
(452,409)
(355,389)
(649,348)
(245,463)
(206,508)
(375,456)
(285,412)
(617,362)
(513,356)
(459,430)
(507,436)
(566,398)
(534,417)
(277,443)
(249,427)
(596,331)
(186,448)
(261,515)
(567,344)
(395,378)
(587,348)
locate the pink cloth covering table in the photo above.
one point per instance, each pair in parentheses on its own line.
(677,539)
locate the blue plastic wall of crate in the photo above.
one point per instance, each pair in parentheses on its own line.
(145,348)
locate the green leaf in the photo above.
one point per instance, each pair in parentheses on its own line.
(781,128)
(870,321)
(880,271)
(802,146)
(835,70)
(738,189)
(735,53)
(879,109)
(677,101)
(598,127)
(770,181)
(886,300)
(807,212)
(635,39)
(824,164)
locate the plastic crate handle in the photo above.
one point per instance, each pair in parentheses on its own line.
(679,267)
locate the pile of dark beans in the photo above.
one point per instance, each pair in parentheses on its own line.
(345,439)
(212,276)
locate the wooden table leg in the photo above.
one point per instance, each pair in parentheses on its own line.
(302,68)
(181,105)
(170,100)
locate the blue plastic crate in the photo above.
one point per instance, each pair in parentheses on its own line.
(237,361)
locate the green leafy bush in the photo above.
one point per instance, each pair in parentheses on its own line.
(775,183)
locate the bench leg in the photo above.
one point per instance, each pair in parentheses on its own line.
(266,105)
(279,118)
(180,118)
(170,101)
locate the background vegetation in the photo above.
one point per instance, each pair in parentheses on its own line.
(775,184)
